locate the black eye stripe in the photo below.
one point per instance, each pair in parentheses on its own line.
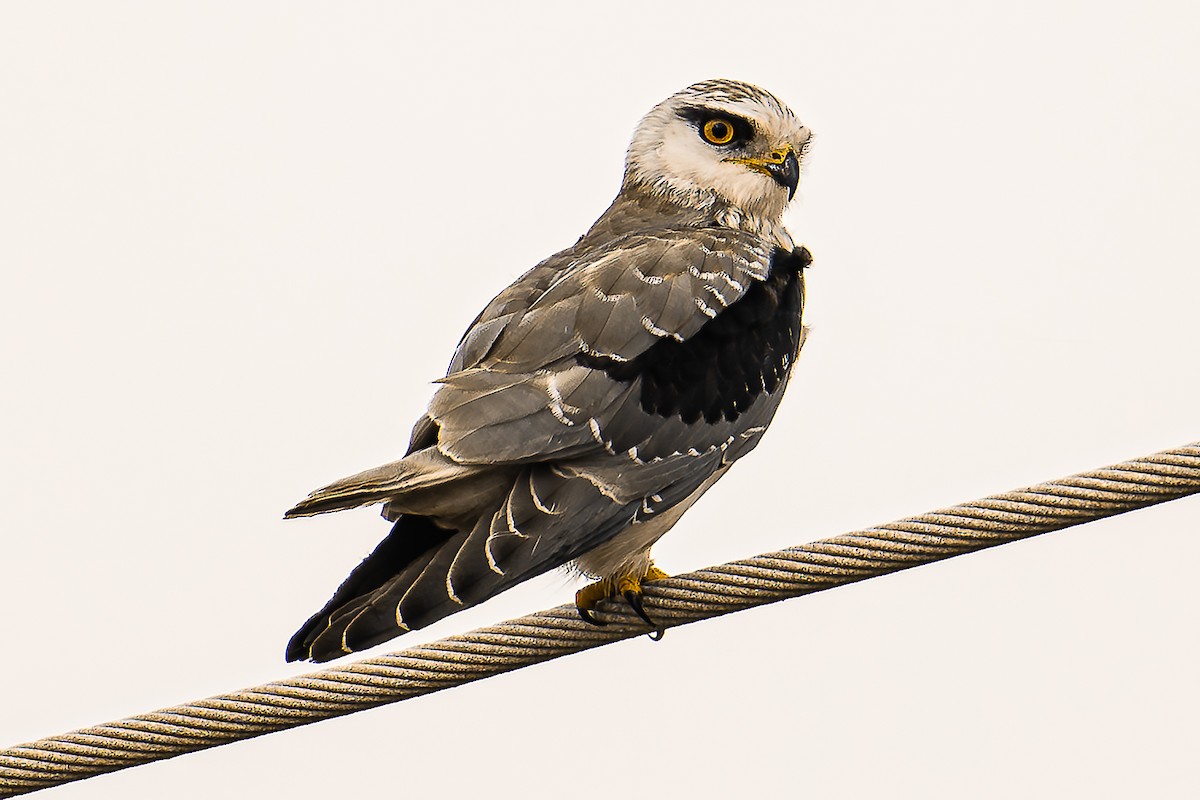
(743,129)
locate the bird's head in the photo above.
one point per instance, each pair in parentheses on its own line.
(722,144)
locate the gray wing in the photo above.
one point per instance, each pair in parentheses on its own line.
(539,445)
(518,390)
(529,396)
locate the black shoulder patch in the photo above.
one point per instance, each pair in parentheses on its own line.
(743,351)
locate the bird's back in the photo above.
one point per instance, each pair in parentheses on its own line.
(603,391)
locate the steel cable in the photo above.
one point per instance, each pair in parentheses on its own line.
(708,593)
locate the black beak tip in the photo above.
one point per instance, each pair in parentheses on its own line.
(787,173)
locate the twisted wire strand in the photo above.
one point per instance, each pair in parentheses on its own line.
(708,593)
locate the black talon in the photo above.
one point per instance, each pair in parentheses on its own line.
(635,602)
(587,617)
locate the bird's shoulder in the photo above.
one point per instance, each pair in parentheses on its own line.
(614,296)
(587,353)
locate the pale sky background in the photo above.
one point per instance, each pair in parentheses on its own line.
(239,239)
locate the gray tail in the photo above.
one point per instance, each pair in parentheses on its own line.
(422,573)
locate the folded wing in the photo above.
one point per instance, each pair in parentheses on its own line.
(595,392)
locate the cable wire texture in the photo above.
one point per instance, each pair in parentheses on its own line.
(708,593)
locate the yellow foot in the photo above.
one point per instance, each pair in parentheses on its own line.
(587,598)
(627,586)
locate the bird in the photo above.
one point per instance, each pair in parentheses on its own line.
(596,398)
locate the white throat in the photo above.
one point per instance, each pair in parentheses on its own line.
(668,158)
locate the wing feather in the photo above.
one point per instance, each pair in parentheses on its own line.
(527,399)
(539,446)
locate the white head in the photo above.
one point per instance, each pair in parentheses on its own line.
(723,144)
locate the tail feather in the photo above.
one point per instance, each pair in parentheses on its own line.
(422,573)
(410,475)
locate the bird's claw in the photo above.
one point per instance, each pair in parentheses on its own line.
(634,598)
(586,600)
(586,615)
(628,587)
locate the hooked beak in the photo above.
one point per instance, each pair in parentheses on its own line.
(780,164)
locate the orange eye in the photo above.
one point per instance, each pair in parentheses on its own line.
(718,131)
